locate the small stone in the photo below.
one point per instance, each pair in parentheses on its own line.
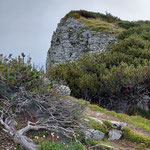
(114,134)
(109,147)
(117,125)
(85,119)
(97,120)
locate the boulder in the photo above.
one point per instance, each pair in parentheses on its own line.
(114,134)
(144,103)
(64,90)
(93,134)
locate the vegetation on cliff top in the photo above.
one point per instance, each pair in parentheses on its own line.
(101,26)
(108,17)
(87,14)
(104,22)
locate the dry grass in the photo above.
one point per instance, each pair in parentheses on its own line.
(99,25)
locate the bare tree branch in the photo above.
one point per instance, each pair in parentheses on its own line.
(52,114)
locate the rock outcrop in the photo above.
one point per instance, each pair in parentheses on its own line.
(72,39)
(115,131)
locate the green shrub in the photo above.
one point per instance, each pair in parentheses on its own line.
(132,24)
(128,24)
(141,112)
(15,72)
(98,75)
(142,31)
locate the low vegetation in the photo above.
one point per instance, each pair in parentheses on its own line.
(107,17)
(135,120)
(129,134)
(137,138)
(61,146)
(98,126)
(91,15)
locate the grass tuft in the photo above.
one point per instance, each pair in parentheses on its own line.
(134,137)
(60,146)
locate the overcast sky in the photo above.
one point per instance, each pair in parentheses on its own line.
(27,25)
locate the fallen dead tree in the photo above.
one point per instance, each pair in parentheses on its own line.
(52,113)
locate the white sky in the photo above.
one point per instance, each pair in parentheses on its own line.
(27,25)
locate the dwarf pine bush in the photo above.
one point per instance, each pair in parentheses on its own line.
(15,72)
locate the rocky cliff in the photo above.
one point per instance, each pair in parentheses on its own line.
(73,38)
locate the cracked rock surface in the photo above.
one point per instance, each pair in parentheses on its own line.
(71,40)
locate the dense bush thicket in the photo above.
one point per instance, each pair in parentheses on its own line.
(143,31)
(103,74)
(131,24)
(123,71)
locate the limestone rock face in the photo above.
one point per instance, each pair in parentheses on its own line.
(72,39)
